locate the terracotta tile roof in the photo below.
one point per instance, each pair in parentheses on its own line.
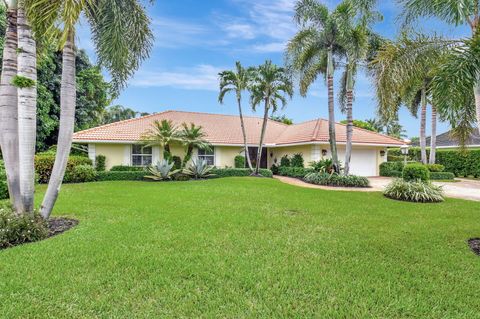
(225,129)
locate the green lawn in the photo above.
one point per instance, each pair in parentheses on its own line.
(245,247)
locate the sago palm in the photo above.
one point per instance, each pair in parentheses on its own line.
(270,86)
(122,38)
(312,52)
(237,81)
(192,136)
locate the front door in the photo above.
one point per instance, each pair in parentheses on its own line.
(253,156)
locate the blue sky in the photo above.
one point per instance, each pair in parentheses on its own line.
(194,40)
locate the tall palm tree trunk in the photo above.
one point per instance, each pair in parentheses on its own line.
(423,120)
(8,109)
(477,101)
(262,136)
(247,154)
(433,138)
(27,110)
(67,120)
(348,147)
(331,112)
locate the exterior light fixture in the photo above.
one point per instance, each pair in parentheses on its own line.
(404,150)
(324,152)
(382,153)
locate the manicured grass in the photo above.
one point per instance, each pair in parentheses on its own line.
(245,247)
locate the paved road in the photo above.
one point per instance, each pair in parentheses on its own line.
(464,188)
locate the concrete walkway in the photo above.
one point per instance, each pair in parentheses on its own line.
(464,188)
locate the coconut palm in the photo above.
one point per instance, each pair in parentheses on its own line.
(122,38)
(9,107)
(237,81)
(454,97)
(270,85)
(192,136)
(312,52)
(162,133)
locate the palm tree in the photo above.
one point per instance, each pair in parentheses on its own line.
(162,133)
(312,52)
(270,85)
(459,72)
(122,38)
(9,107)
(433,137)
(237,81)
(192,136)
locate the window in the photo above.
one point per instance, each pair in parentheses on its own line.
(141,155)
(208,156)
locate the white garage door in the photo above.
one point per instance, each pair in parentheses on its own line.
(363,162)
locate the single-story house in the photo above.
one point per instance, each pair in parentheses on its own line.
(120,142)
(446,141)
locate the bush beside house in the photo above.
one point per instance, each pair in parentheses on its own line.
(3,182)
(44,166)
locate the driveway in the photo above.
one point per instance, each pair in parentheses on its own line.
(463,188)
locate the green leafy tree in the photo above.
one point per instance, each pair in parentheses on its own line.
(282,119)
(116,113)
(270,85)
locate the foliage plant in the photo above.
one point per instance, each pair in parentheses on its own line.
(127,168)
(177,162)
(436,167)
(23,82)
(100,163)
(162,170)
(121,176)
(238,172)
(275,169)
(414,191)
(415,172)
(198,169)
(442,176)
(44,165)
(3,182)
(162,133)
(192,136)
(81,174)
(19,229)
(285,161)
(323,165)
(336,180)
(239,161)
(294,171)
(297,160)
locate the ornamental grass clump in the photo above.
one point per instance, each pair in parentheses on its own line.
(414,191)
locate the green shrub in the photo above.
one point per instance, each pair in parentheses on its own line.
(274,169)
(414,191)
(81,174)
(336,180)
(121,176)
(181,177)
(15,230)
(229,172)
(415,172)
(391,169)
(177,162)
(459,163)
(239,161)
(297,160)
(442,176)
(44,166)
(126,168)
(3,182)
(100,163)
(285,161)
(294,171)
(323,165)
(435,167)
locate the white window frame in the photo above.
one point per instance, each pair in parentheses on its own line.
(142,155)
(207,156)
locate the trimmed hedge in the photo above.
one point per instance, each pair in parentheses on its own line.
(298,172)
(441,176)
(229,172)
(44,166)
(126,168)
(336,180)
(415,171)
(3,182)
(391,169)
(100,163)
(121,176)
(461,164)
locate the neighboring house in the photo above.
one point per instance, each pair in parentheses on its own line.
(120,142)
(445,140)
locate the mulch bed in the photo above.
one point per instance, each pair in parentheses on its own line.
(474,244)
(58,225)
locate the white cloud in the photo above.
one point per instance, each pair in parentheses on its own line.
(200,77)
(240,30)
(269,47)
